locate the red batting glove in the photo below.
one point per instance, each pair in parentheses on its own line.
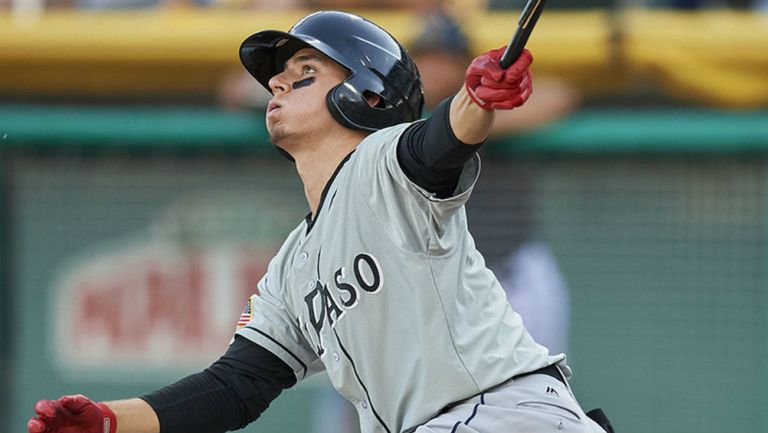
(493,88)
(72,414)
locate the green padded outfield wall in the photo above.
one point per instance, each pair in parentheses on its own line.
(136,235)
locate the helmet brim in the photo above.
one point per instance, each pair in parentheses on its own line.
(264,53)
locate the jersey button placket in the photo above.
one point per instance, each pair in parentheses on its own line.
(364,404)
(336,357)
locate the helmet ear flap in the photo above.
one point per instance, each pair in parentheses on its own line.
(349,104)
(335,96)
(332,108)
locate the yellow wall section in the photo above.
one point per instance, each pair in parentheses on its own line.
(718,58)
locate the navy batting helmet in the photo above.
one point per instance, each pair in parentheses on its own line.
(378,65)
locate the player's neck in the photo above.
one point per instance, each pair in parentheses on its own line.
(316,165)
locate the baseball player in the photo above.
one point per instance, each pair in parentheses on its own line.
(380,285)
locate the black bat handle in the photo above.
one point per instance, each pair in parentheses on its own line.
(528,18)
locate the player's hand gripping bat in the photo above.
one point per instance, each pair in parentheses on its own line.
(501,79)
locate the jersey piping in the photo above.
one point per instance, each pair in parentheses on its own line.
(360,381)
(332,198)
(447,323)
(303,366)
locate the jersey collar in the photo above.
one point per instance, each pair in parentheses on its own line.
(309,218)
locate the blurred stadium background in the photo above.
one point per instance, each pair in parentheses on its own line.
(138,208)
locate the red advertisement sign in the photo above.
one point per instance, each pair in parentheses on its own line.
(152,305)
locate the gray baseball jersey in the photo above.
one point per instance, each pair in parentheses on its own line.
(387,293)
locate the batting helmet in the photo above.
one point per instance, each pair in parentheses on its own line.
(378,65)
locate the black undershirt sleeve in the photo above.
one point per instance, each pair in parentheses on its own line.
(228,395)
(430,154)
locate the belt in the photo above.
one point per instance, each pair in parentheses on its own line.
(550,370)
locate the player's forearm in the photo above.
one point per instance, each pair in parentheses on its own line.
(470,123)
(134,416)
(227,396)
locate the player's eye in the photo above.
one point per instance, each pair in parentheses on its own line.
(307,69)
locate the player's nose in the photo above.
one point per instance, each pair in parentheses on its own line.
(278,83)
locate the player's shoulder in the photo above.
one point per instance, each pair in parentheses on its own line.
(384,138)
(279,266)
(292,241)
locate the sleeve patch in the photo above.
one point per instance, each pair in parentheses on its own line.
(246,315)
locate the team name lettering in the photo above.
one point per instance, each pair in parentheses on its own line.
(326,304)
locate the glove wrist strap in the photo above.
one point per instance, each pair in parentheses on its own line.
(110,419)
(476,99)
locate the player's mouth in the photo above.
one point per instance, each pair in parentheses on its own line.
(272,106)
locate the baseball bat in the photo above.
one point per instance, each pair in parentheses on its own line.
(525,24)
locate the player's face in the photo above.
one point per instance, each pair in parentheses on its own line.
(298,108)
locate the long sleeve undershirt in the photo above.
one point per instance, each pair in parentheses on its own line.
(228,395)
(430,154)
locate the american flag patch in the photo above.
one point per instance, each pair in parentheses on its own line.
(246,315)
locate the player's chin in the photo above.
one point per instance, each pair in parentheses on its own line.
(273,128)
(277,134)
(276,137)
